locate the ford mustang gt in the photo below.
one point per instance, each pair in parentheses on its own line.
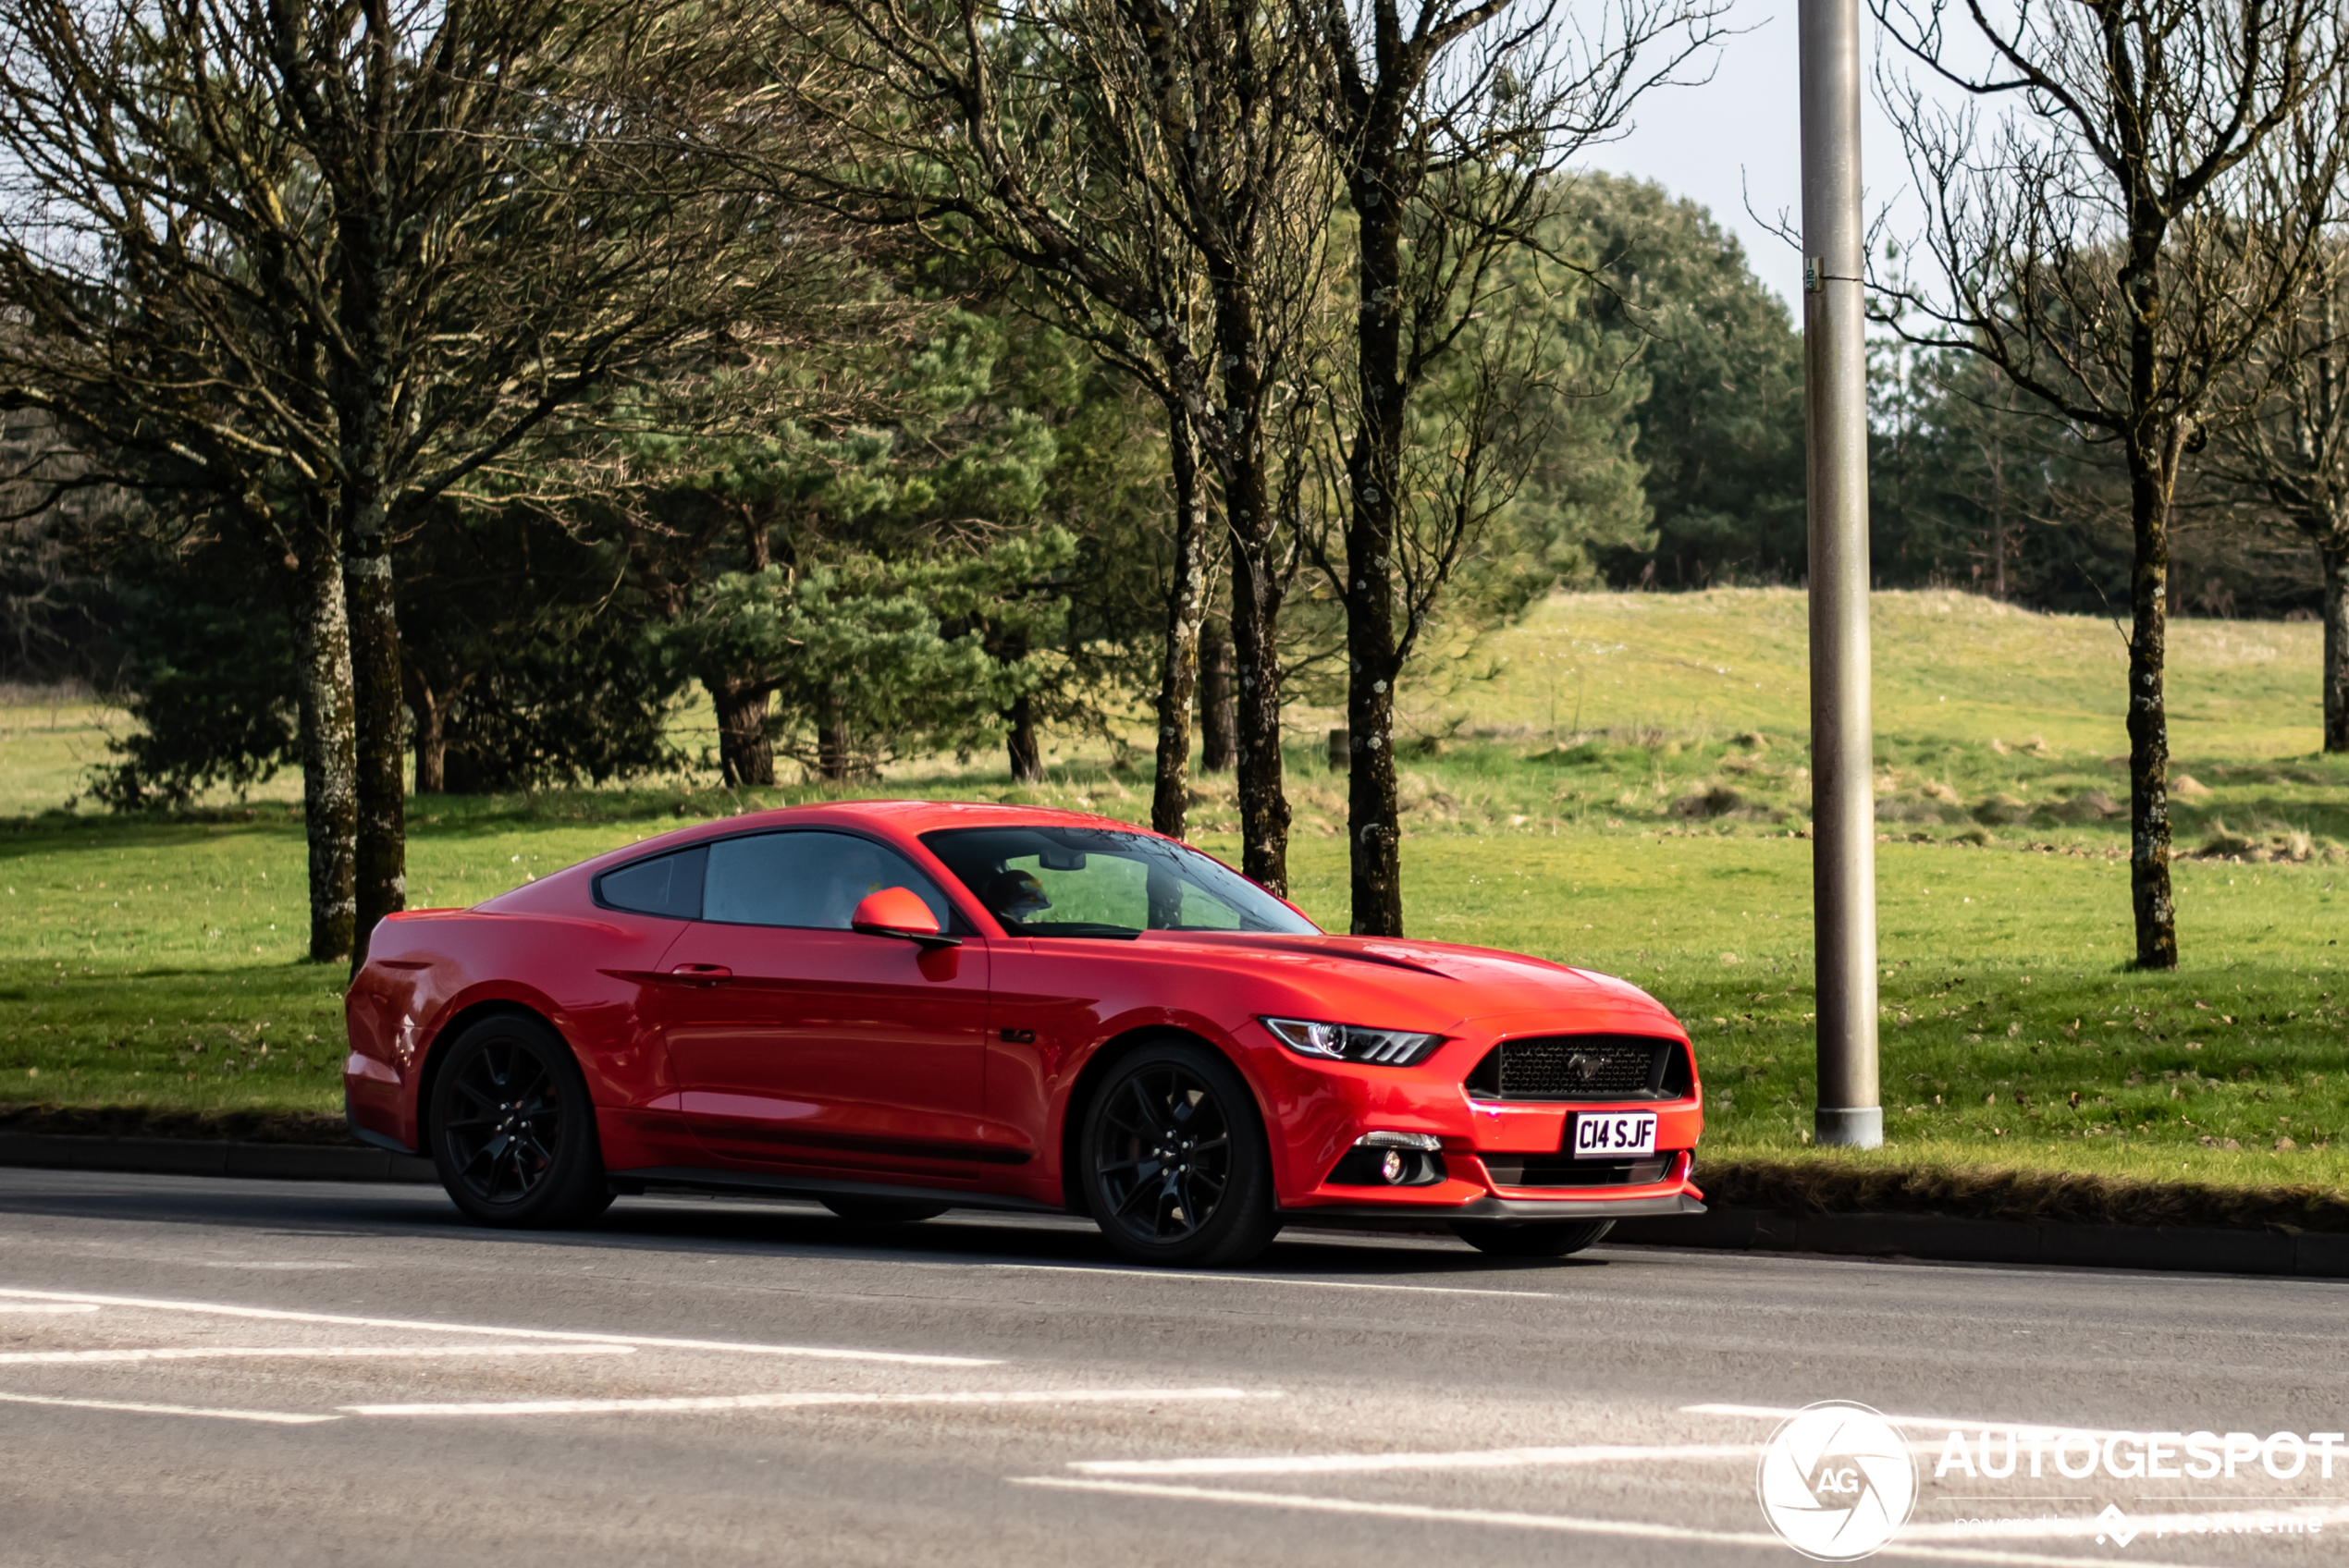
(898,1007)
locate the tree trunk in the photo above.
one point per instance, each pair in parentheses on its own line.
(745,752)
(1258,583)
(1373,832)
(380,883)
(360,388)
(430,709)
(2336,655)
(2156,924)
(1022,751)
(329,757)
(1219,738)
(1185,610)
(1027,756)
(833,764)
(1256,617)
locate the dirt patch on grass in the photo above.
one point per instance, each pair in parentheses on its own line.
(2032,1196)
(2263,845)
(204,1126)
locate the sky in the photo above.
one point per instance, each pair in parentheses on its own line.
(1737,140)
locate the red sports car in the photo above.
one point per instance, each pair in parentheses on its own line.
(900,1007)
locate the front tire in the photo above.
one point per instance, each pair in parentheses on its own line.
(1538,1238)
(1175,1165)
(513,1132)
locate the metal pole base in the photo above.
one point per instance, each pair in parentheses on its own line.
(1860,1127)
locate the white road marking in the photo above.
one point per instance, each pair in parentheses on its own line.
(1355,1464)
(310,1353)
(48,1306)
(1259,1279)
(1560,1522)
(1937,1423)
(273,1417)
(797,1400)
(269,1314)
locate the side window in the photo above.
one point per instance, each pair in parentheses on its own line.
(807,878)
(669,884)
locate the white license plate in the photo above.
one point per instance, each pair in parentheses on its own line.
(1614,1135)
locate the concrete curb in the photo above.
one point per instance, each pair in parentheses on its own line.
(1933,1238)
(195,1157)
(1944,1239)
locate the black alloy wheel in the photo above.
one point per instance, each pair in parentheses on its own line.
(1532,1238)
(513,1132)
(883,1211)
(1175,1168)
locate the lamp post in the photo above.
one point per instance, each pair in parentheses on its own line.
(1842,759)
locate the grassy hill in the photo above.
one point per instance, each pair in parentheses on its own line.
(1947,666)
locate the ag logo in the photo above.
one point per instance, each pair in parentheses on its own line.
(1836,1481)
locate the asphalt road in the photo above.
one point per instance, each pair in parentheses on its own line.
(199,1371)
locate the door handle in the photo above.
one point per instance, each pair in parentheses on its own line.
(702,974)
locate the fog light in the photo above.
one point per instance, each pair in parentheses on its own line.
(1391,1159)
(1427,1142)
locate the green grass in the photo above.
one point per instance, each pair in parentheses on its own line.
(1945,664)
(1651,835)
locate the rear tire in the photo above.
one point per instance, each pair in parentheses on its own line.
(1537,1238)
(1174,1161)
(512,1131)
(883,1211)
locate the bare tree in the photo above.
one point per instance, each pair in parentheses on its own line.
(2290,449)
(325,263)
(2092,246)
(1152,171)
(1449,118)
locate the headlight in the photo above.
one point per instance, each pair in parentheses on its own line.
(1351,1042)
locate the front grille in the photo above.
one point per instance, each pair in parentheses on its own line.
(1582,1067)
(1550,1171)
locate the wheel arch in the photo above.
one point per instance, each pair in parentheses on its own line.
(1098,1066)
(450,1030)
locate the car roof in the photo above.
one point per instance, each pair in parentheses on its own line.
(921,816)
(908,819)
(903,819)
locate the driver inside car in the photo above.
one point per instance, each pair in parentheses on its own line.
(1016,897)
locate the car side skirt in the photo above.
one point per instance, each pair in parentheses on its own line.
(755,1183)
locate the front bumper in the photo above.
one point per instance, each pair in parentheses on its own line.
(1318,1112)
(1468,1191)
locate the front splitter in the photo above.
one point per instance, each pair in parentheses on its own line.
(1498,1209)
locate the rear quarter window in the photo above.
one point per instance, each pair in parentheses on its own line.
(667,885)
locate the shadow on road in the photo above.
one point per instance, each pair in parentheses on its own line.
(690,1224)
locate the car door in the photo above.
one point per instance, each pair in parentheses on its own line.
(800,1045)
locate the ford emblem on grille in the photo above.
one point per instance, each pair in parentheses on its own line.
(1581,1067)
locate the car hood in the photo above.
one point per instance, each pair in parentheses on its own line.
(1440,977)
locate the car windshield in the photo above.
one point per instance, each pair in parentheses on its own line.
(1100,882)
